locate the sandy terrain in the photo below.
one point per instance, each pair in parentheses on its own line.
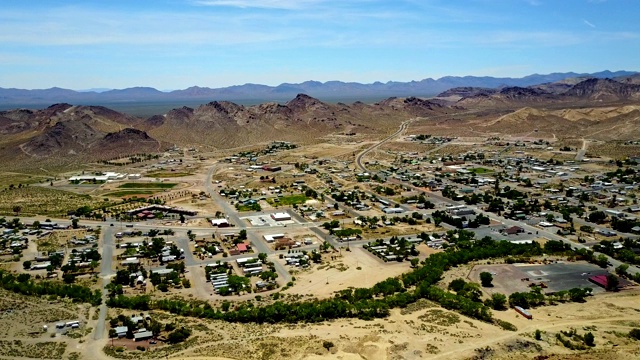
(425,331)
(323,280)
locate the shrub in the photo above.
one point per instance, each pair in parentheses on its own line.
(589,339)
(178,336)
(327,345)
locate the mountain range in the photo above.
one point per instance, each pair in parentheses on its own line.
(62,134)
(254,93)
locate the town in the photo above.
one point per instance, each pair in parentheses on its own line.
(286,220)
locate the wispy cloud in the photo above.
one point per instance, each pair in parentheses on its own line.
(261,4)
(588,23)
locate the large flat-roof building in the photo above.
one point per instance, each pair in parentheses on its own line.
(281,216)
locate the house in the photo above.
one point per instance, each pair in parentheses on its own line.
(392,210)
(272,237)
(220,222)
(284,243)
(121,331)
(606,232)
(514,230)
(242,248)
(614,213)
(142,334)
(462,211)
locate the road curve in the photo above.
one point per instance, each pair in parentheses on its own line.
(359,157)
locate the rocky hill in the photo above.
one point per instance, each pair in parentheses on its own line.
(303,119)
(604,90)
(578,90)
(63,134)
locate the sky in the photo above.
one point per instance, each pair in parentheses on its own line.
(175,44)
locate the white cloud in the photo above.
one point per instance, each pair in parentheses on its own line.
(262,4)
(588,23)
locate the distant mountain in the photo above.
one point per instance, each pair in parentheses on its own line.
(96,90)
(255,93)
(572,90)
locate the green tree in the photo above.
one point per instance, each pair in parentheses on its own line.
(26,265)
(538,334)
(498,301)
(589,339)
(486,279)
(622,269)
(457,285)
(69,278)
(612,282)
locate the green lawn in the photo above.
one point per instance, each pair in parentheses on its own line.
(167,174)
(131,192)
(252,207)
(147,185)
(288,200)
(480,170)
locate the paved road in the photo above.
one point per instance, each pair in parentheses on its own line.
(105,274)
(232,215)
(403,127)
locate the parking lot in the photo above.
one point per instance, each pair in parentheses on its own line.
(266,220)
(508,279)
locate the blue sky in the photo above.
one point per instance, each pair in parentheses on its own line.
(174,44)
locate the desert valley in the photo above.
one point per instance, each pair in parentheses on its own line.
(481,223)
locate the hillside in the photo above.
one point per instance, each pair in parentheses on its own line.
(303,120)
(63,134)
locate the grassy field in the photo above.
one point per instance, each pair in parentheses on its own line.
(289,200)
(9,178)
(251,207)
(34,200)
(167,174)
(147,185)
(123,193)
